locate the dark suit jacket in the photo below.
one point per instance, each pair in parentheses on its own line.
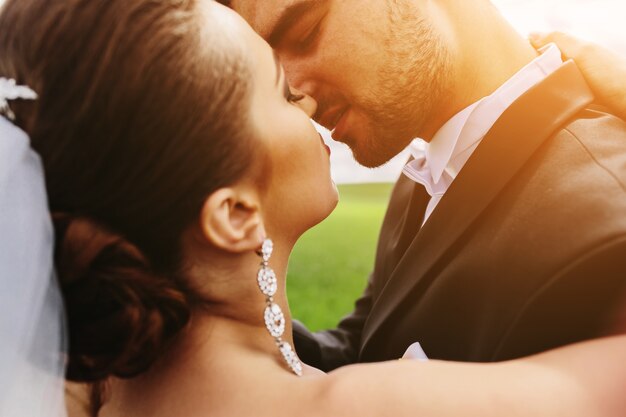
(525,252)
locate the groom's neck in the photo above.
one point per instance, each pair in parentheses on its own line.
(489,53)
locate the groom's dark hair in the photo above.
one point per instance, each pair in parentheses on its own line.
(141,115)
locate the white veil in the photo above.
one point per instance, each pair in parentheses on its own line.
(32,332)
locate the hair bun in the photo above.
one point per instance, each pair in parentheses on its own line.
(121,314)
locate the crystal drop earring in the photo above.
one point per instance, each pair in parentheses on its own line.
(274,317)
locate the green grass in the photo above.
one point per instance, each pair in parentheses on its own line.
(330,264)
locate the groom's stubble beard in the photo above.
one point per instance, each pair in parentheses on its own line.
(411,85)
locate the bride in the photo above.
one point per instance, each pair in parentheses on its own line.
(174,150)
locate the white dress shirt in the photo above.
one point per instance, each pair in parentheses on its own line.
(437,163)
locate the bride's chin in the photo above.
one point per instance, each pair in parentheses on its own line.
(330,203)
(297,221)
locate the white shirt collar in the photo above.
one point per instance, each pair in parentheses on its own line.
(454,143)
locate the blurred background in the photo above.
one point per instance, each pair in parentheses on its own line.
(331,263)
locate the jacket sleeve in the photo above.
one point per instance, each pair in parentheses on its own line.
(584,300)
(331,349)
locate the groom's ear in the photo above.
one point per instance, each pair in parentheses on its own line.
(231,220)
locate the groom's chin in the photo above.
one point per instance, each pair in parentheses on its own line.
(374,155)
(374,141)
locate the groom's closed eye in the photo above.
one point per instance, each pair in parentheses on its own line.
(298,25)
(308,41)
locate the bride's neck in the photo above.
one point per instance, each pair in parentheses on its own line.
(235,313)
(224,339)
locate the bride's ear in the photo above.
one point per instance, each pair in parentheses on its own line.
(231,220)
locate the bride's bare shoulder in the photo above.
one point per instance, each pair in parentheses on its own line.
(584,380)
(77,398)
(356,390)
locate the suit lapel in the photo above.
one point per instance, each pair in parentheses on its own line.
(519,132)
(401,224)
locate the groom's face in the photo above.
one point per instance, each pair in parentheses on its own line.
(377,68)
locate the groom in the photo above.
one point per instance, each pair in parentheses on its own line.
(506,233)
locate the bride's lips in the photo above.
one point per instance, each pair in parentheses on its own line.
(341,128)
(325,145)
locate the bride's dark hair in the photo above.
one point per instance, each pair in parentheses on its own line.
(142,113)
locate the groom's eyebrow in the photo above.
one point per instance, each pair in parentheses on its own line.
(290,15)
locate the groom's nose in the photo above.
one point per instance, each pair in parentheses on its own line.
(299,74)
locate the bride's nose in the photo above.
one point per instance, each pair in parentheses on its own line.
(307,104)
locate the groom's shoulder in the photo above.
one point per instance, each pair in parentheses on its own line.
(576,181)
(600,139)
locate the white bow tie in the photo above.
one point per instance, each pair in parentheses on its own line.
(419,171)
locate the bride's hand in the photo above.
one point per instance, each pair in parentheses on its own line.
(604,70)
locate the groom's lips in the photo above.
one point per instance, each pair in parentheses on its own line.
(331,118)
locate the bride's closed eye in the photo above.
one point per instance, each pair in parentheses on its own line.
(287,93)
(290,96)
